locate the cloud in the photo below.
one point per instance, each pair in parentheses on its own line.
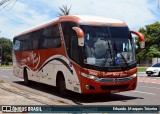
(19,19)
(134,13)
(26,14)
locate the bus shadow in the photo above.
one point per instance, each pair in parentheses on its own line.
(79,99)
(99,98)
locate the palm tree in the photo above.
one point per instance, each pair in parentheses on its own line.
(64,10)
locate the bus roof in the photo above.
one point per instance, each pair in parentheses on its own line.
(82,19)
(89,18)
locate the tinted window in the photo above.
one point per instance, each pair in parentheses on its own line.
(74,51)
(50,38)
(16,44)
(119,32)
(156,65)
(34,37)
(45,38)
(25,43)
(22,43)
(67,33)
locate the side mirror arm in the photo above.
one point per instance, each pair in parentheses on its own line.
(80,35)
(141,38)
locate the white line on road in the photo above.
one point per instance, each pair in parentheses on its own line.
(148,82)
(4,76)
(150,87)
(6,69)
(144,92)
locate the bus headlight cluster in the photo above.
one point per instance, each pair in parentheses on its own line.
(134,75)
(89,76)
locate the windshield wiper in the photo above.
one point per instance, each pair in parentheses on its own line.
(105,59)
(118,51)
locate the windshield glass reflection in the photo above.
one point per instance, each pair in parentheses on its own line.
(108,46)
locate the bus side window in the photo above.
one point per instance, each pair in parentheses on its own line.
(16,44)
(67,33)
(74,51)
(56,36)
(35,40)
(50,37)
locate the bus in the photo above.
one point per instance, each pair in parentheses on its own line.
(79,53)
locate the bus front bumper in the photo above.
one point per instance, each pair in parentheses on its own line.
(108,85)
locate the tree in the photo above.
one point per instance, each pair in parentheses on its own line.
(5,50)
(152,41)
(64,10)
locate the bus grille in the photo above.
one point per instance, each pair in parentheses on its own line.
(115,87)
(125,79)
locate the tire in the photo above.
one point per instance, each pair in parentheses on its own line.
(148,75)
(26,81)
(159,74)
(61,84)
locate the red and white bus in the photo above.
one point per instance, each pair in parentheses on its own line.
(84,54)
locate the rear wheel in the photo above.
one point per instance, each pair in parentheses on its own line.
(159,74)
(61,84)
(26,81)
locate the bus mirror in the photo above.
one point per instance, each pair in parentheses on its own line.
(141,38)
(80,35)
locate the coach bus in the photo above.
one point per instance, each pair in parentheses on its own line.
(84,54)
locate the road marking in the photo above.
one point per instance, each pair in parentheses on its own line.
(144,92)
(5,76)
(6,69)
(149,80)
(154,78)
(150,87)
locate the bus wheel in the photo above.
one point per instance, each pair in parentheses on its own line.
(26,81)
(61,84)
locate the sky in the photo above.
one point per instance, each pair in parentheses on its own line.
(24,14)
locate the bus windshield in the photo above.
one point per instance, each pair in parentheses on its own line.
(107,46)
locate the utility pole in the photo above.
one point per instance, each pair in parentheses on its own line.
(1,56)
(1,53)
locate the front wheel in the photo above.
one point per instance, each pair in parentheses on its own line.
(61,84)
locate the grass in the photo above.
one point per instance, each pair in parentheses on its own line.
(6,66)
(142,69)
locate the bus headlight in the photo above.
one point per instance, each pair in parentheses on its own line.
(89,76)
(134,75)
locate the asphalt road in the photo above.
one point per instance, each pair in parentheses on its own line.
(146,93)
